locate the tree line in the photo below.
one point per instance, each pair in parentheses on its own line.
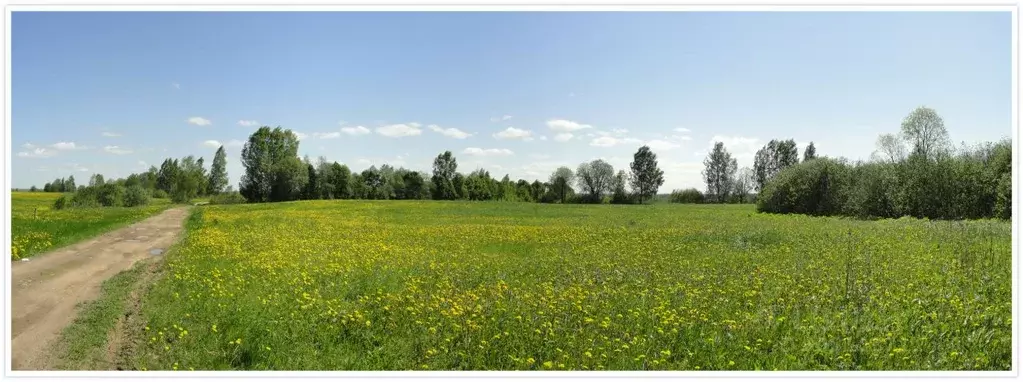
(274,172)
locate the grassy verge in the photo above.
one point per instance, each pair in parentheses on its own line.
(36,228)
(84,345)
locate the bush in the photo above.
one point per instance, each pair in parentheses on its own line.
(160,194)
(111,195)
(85,197)
(227,198)
(689,195)
(818,187)
(1003,205)
(136,196)
(60,203)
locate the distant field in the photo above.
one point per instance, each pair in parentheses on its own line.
(328,285)
(51,229)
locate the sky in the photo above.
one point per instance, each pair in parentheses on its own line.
(516,93)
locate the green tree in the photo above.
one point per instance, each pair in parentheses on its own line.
(445,166)
(810,152)
(596,179)
(925,132)
(218,172)
(342,181)
(312,185)
(719,173)
(561,182)
(273,171)
(646,177)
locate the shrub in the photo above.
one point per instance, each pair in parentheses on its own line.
(85,197)
(111,195)
(1003,204)
(60,203)
(227,198)
(160,194)
(136,196)
(818,187)
(689,195)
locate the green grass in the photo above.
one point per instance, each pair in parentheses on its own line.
(36,227)
(393,285)
(83,344)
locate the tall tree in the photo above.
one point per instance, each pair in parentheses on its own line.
(719,173)
(596,179)
(743,184)
(771,159)
(445,166)
(312,186)
(619,195)
(273,171)
(70,184)
(810,152)
(646,176)
(925,132)
(561,182)
(890,148)
(218,172)
(342,181)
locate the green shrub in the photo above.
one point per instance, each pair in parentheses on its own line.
(227,198)
(60,203)
(160,194)
(818,187)
(689,195)
(111,195)
(85,197)
(1003,205)
(136,196)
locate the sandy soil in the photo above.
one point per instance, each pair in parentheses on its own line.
(46,290)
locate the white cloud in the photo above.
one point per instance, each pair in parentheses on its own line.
(116,150)
(563,137)
(662,145)
(199,121)
(37,152)
(176,85)
(110,134)
(450,132)
(566,125)
(608,141)
(682,130)
(355,131)
(248,123)
(543,137)
(513,133)
(475,151)
(143,163)
(64,146)
(300,136)
(28,145)
(620,131)
(212,144)
(400,130)
(743,149)
(330,135)
(501,118)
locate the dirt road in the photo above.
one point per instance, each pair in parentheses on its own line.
(46,290)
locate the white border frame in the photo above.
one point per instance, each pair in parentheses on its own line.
(565,6)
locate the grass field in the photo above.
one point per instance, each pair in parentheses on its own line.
(329,285)
(36,228)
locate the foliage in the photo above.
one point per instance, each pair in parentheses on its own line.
(689,195)
(646,177)
(719,173)
(227,198)
(136,196)
(595,179)
(218,172)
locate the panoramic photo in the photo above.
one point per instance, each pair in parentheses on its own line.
(509,190)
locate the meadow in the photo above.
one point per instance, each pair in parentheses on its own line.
(406,285)
(36,227)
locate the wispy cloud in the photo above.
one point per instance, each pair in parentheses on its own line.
(110,134)
(37,152)
(501,118)
(176,85)
(199,121)
(355,131)
(609,141)
(682,130)
(301,136)
(563,137)
(400,130)
(476,151)
(248,122)
(514,133)
(116,150)
(213,144)
(330,135)
(563,125)
(64,146)
(450,132)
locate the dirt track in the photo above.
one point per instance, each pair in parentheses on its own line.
(46,290)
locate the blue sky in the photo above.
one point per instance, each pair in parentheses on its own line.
(516,93)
